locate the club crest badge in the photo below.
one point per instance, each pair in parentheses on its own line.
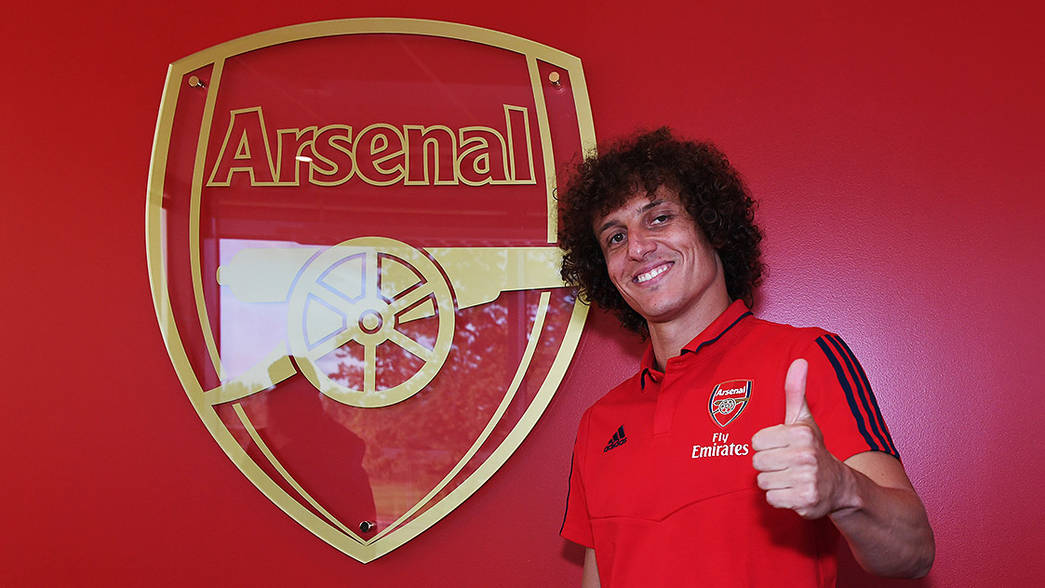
(351,233)
(728,400)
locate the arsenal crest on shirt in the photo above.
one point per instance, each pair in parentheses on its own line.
(351,242)
(728,400)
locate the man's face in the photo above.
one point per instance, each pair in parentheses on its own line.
(658,259)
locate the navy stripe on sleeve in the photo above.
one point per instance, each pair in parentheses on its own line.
(861,394)
(844,382)
(878,422)
(563,525)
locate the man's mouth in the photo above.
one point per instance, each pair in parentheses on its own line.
(652,273)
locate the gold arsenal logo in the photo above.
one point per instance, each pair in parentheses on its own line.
(351,242)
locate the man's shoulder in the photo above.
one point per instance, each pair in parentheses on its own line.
(763,328)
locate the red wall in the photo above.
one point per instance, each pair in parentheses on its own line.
(897,152)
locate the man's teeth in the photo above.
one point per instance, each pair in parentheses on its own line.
(652,273)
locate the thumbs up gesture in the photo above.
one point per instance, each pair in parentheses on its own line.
(795,469)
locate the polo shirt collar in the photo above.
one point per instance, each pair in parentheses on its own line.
(733,314)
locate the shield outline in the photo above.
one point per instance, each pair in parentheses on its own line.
(748,384)
(362,550)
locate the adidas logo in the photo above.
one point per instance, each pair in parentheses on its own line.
(617,440)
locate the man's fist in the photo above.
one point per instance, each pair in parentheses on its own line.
(796,470)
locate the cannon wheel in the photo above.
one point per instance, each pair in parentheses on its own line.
(361,290)
(725,406)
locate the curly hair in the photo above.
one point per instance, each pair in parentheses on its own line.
(710,189)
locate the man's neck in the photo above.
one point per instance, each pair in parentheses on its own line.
(668,338)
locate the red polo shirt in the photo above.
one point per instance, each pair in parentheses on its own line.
(662,484)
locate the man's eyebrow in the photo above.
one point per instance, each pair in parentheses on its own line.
(652,204)
(608,224)
(646,207)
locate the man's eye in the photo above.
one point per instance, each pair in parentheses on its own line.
(616,238)
(661,218)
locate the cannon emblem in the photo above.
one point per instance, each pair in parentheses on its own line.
(362,290)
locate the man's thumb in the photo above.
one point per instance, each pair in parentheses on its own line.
(795,392)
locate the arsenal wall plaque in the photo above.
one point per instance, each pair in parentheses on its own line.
(351,241)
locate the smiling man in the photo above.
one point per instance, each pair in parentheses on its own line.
(741,450)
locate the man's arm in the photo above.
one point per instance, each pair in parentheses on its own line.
(590,579)
(869,497)
(883,519)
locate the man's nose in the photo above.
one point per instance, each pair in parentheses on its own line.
(640,244)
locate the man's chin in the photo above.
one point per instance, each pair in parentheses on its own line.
(656,316)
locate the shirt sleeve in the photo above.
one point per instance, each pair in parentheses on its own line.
(576,524)
(842,402)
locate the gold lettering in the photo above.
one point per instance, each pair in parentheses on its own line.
(381,154)
(293,143)
(441,142)
(483,159)
(517,121)
(376,146)
(333,164)
(251,154)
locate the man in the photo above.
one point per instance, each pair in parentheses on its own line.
(741,449)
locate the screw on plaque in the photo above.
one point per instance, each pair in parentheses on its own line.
(196,82)
(366,526)
(554,79)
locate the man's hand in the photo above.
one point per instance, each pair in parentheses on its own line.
(869,498)
(796,470)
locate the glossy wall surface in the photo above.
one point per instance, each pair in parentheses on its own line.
(896,151)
